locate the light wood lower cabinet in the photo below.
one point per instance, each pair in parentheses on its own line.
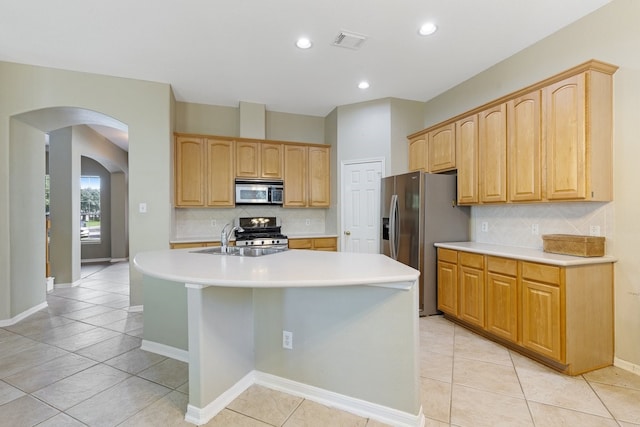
(471,282)
(448,281)
(316,244)
(502,297)
(193,245)
(560,316)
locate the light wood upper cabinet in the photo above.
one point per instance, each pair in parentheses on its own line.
(319,172)
(418,155)
(492,142)
(551,141)
(204,172)
(307,176)
(206,168)
(525,148)
(258,160)
(295,176)
(467,159)
(578,123)
(271,160)
(442,148)
(220,173)
(247,159)
(189,171)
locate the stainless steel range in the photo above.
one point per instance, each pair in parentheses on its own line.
(260,231)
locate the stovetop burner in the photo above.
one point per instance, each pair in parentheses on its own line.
(260,231)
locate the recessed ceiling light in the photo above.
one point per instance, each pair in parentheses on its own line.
(363,85)
(427,29)
(303,43)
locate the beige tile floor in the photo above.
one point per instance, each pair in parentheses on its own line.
(79,362)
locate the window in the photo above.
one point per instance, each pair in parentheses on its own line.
(90,209)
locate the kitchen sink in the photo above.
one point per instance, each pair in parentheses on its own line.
(250,251)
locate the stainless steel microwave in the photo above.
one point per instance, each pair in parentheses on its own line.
(255,192)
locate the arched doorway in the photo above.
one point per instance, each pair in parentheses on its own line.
(71,134)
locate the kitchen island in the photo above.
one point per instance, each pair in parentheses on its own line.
(353,319)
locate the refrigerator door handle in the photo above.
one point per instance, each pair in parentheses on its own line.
(393,227)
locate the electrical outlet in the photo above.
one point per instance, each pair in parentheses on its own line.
(534,229)
(213,223)
(484,227)
(287,340)
(142,208)
(307,221)
(594,230)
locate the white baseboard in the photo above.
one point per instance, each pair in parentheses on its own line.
(352,405)
(23,315)
(627,366)
(67,285)
(94,260)
(165,350)
(200,416)
(114,260)
(136,308)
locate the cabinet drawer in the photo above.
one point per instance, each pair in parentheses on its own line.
(471,260)
(541,272)
(300,244)
(502,265)
(325,244)
(448,255)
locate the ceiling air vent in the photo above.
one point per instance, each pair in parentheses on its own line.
(349,40)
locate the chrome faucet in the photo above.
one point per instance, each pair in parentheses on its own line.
(225,236)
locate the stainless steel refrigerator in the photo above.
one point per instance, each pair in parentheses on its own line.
(418,210)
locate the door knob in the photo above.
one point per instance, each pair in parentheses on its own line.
(347,233)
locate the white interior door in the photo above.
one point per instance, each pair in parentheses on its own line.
(361,206)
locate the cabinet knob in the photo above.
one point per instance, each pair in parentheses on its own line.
(347,233)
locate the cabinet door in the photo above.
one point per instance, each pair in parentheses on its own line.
(492,141)
(442,148)
(541,318)
(319,185)
(448,287)
(247,159)
(295,176)
(471,304)
(565,112)
(189,171)
(418,154)
(300,243)
(525,148)
(502,306)
(467,159)
(271,160)
(220,173)
(325,244)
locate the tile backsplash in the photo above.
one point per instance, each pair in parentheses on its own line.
(208,223)
(512,224)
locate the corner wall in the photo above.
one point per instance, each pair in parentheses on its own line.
(610,34)
(143,106)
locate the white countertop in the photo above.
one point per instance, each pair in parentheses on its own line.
(525,254)
(292,268)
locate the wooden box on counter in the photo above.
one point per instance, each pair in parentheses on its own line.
(569,244)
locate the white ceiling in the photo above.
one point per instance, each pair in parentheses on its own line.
(221,52)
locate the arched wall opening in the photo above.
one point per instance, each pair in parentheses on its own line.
(72,145)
